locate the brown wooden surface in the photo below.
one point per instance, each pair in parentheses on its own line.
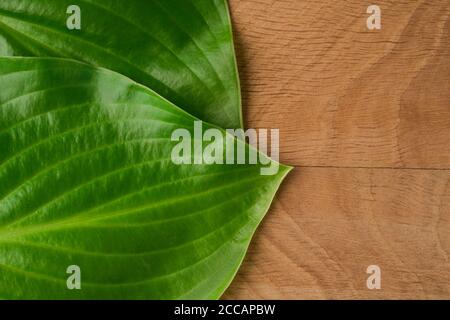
(365,118)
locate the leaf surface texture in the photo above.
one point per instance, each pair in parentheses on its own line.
(181,49)
(87,179)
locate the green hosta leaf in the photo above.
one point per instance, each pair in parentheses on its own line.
(182,49)
(86,179)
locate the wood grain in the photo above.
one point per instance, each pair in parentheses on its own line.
(328,225)
(343,95)
(365,117)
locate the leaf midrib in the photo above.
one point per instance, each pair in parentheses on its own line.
(73,220)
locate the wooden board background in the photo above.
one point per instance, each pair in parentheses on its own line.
(364,117)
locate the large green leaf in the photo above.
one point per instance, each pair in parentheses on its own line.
(182,49)
(86,178)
